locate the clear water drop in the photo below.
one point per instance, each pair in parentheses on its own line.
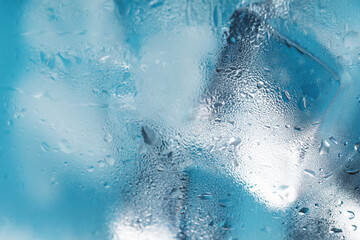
(234,141)
(304,211)
(108,138)
(110,160)
(324,148)
(310,173)
(352,171)
(206,196)
(44,146)
(333,140)
(65,146)
(335,230)
(91,169)
(351,215)
(357,146)
(101,163)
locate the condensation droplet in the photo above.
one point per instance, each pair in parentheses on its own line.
(304,211)
(44,146)
(65,146)
(335,230)
(333,140)
(352,171)
(234,141)
(357,146)
(309,172)
(91,169)
(351,215)
(206,196)
(101,163)
(286,96)
(260,84)
(108,138)
(324,148)
(110,160)
(352,39)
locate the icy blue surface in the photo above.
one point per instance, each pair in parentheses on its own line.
(179,119)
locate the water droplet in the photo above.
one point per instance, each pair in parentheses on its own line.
(108,138)
(351,215)
(340,203)
(65,146)
(10,122)
(333,140)
(216,16)
(335,230)
(106,185)
(44,146)
(226,226)
(352,171)
(297,128)
(91,169)
(287,193)
(357,147)
(324,148)
(352,39)
(260,84)
(234,141)
(225,203)
(327,176)
(309,172)
(206,196)
(110,160)
(101,163)
(53,181)
(286,96)
(304,211)
(156,3)
(302,103)
(354,227)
